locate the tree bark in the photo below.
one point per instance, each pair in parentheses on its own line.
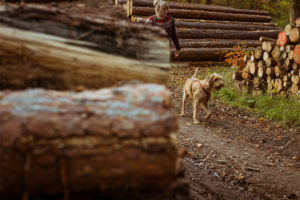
(294,11)
(190,33)
(201,54)
(67,62)
(193,6)
(237,76)
(216,43)
(263,39)
(200,14)
(94,142)
(106,34)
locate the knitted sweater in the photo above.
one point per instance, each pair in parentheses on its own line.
(169,25)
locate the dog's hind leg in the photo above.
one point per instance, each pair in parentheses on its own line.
(195,111)
(184,96)
(207,110)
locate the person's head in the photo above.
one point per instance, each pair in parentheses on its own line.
(161,8)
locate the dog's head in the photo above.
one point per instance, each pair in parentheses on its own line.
(216,81)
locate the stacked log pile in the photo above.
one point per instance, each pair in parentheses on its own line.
(275,66)
(55,49)
(207,32)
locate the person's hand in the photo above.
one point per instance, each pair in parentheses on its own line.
(176,53)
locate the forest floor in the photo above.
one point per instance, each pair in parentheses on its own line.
(236,155)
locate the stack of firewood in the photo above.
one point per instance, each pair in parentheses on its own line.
(207,32)
(275,65)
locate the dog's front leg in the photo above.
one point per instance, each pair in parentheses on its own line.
(183,103)
(195,111)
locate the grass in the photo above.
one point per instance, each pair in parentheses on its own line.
(285,111)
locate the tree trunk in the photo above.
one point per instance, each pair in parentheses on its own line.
(253,68)
(192,33)
(270,72)
(282,39)
(237,25)
(261,72)
(200,14)
(258,83)
(270,62)
(216,43)
(295,88)
(278,85)
(193,6)
(67,63)
(295,35)
(288,29)
(265,56)
(258,52)
(105,34)
(120,2)
(276,53)
(237,76)
(263,39)
(246,71)
(267,46)
(296,55)
(294,11)
(201,54)
(93,143)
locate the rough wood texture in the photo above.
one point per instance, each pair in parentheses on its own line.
(294,11)
(270,62)
(193,6)
(261,72)
(262,39)
(278,85)
(94,142)
(258,83)
(267,46)
(214,43)
(282,39)
(192,33)
(201,54)
(200,14)
(104,33)
(295,88)
(253,68)
(288,29)
(237,76)
(276,53)
(258,52)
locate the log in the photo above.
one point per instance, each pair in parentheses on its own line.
(282,39)
(296,55)
(270,72)
(295,35)
(216,43)
(253,68)
(120,2)
(295,66)
(278,71)
(199,63)
(258,83)
(287,65)
(297,22)
(237,75)
(278,85)
(295,88)
(267,39)
(289,48)
(261,71)
(257,91)
(258,52)
(193,6)
(286,78)
(267,46)
(106,34)
(192,33)
(295,79)
(288,29)
(68,64)
(295,72)
(284,55)
(104,142)
(265,56)
(201,54)
(246,71)
(291,55)
(199,14)
(276,53)
(270,90)
(270,62)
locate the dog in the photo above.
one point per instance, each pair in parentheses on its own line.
(200,92)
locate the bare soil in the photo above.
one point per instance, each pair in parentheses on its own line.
(235,155)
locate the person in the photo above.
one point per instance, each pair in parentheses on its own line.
(162,19)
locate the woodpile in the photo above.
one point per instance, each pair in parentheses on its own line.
(55,49)
(116,142)
(209,32)
(275,66)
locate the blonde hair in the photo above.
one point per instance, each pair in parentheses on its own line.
(160,5)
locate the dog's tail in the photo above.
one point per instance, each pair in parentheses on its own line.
(195,73)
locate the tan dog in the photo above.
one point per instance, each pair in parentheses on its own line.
(200,91)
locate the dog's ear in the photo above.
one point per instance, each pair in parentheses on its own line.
(210,79)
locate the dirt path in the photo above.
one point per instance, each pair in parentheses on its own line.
(237,156)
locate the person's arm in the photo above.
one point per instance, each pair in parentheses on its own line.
(149,20)
(174,36)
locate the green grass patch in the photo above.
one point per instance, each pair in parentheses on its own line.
(285,111)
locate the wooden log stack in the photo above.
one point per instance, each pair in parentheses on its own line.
(275,66)
(116,142)
(209,32)
(54,49)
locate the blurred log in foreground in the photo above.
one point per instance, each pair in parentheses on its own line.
(117,142)
(54,49)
